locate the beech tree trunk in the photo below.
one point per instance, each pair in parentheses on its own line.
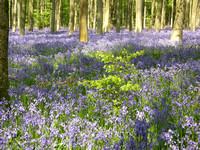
(14,15)
(71,19)
(53,17)
(187,12)
(100,16)
(30,16)
(138,27)
(177,33)
(22,17)
(132,12)
(153,3)
(4,31)
(163,14)
(158,15)
(83,22)
(194,13)
(118,17)
(130,16)
(95,12)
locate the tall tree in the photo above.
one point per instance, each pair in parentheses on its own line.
(30,16)
(158,15)
(76,14)
(194,13)
(132,12)
(59,3)
(100,16)
(83,26)
(95,12)
(71,19)
(177,33)
(145,9)
(22,17)
(163,14)
(14,15)
(138,27)
(153,3)
(107,11)
(11,14)
(187,12)
(4,31)
(130,16)
(118,16)
(18,13)
(53,16)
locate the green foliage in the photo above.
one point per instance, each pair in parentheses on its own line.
(114,84)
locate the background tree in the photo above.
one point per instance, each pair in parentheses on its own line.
(53,17)
(118,16)
(177,33)
(163,14)
(71,19)
(138,27)
(130,15)
(30,16)
(158,15)
(194,13)
(95,11)
(4,31)
(107,11)
(10,13)
(187,12)
(83,22)
(14,12)
(22,17)
(100,16)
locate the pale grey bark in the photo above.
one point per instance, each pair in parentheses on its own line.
(138,27)
(177,33)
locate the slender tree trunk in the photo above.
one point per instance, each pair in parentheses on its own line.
(187,12)
(177,33)
(95,12)
(14,15)
(75,15)
(10,16)
(53,17)
(198,14)
(153,3)
(194,13)
(4,31)
(132,12)
(130,17)
(90,13)
(106,15)
(30,16)
(58,15)
(145,8)
(22,17)
(138,27)
(83,27)
(158,15)
(163,14)
(100,16)
(126,14)
(71,20)
(18,12)
(174,12)
(118,16)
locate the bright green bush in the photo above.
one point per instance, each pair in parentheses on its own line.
(113,84)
